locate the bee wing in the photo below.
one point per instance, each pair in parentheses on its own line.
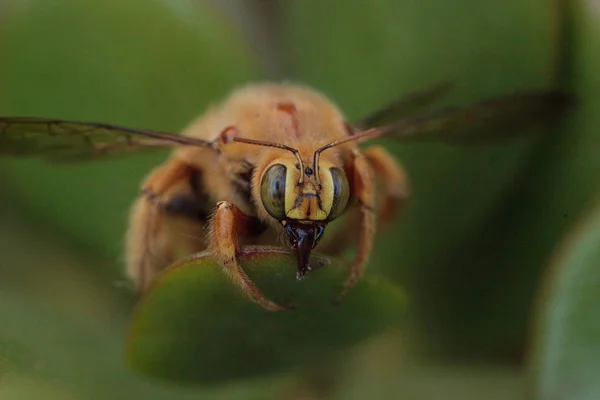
(491,119)
(62,141)
(403,107)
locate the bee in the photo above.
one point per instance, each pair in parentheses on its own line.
(272,162)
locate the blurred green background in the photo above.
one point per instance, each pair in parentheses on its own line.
(498,250)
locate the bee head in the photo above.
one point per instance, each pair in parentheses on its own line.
(292,191)
(302,198)
(303,202)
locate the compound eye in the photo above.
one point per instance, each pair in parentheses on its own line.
(341,192)
(272,191)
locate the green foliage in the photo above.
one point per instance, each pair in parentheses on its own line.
(547,195)
(194,324)
(567,355)
(83,357)
(470,248)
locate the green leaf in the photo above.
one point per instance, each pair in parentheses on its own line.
(567,355)
(194,325)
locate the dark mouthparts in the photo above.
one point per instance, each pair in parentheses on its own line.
(304,236)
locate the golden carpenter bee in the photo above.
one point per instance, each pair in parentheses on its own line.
(271,162)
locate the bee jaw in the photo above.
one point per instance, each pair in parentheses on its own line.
(303,236)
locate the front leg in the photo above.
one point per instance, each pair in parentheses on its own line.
(171,203)
(227,222)
(364,191)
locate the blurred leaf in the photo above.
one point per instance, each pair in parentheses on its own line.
(513,245)
(19,388)
(568,332)
(368,54)
(137,63)
(85,358)
(194,325)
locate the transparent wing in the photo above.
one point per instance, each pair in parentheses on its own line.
(63,141)
(488,120)
(404,107)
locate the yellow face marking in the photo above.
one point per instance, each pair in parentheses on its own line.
(307,208)
(308,203)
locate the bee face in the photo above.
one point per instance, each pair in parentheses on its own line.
(303,202)
(289,193)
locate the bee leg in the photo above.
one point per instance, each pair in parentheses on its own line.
(362,176)
(148,246)
(155,220)
(394,179)
(227,221)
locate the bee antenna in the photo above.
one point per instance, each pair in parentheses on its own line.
(277,146)
(369,133)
